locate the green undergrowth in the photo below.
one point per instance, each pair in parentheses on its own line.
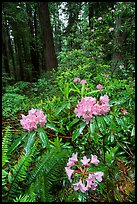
(110,137)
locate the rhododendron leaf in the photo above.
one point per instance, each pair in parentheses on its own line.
(72,123)
(108,119)
(94,91)
(82,126)
(101,124)
(30,142)
(43,137)
(76,89)
(17,143)
(82,89)
(77,132)
(92,127)
(133,131)
(110,155)
(120,122)
(111,138)
(53,127)
(60,109)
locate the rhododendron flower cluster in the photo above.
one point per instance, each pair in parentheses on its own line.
(124,112)
(121,66)
(76,79)
(100,18)
(83,81)
(31,121)
(88,107)
(106,75)
(79,172)
(99,86)
(111,29)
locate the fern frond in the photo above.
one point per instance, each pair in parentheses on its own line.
(5,145)
(26,198)
(18,173)
(47,173)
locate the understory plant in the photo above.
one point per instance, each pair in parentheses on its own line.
(38,168)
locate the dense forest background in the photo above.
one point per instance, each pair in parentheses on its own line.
(68,101)
(34,35)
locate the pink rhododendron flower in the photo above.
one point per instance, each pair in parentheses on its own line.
(72,160)
(31,121)
(92,57)
(74,157)
(98,176)
(111,29)
(104,99)
(124,112)
(84,179)
(99,86)
(85,161)
(121,66)
(106,75)
(100,18)
(83,81)
(69,172)
(92,30)
(85,108)
(94,160)
(91,182)
(71,163)
(80,186)
(86,88)
(119,11)
(76,79)
(88,107)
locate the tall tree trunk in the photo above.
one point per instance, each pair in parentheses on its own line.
(91,14)
(119,38)
(50,59)
(31,24)
(37,66)
(5,52)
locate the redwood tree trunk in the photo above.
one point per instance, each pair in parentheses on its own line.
(50,60)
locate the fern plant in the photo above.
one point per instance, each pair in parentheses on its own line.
(5,145)
(48,173)
(5,158)
(35,174)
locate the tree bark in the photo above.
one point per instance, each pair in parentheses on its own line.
(91,14)
(5,52)
(119,38)
(50,60)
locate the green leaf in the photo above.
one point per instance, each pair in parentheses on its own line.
(101,124)
(16,143)
(95,91)
(30,142)
(111,138)
(77,132)
(133,131)
(108,119)
(82,126)
(43,137)
(82,89)
(72,123)
(92,126)
(66,90)
(60,109)
(120,122)
(53,127)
